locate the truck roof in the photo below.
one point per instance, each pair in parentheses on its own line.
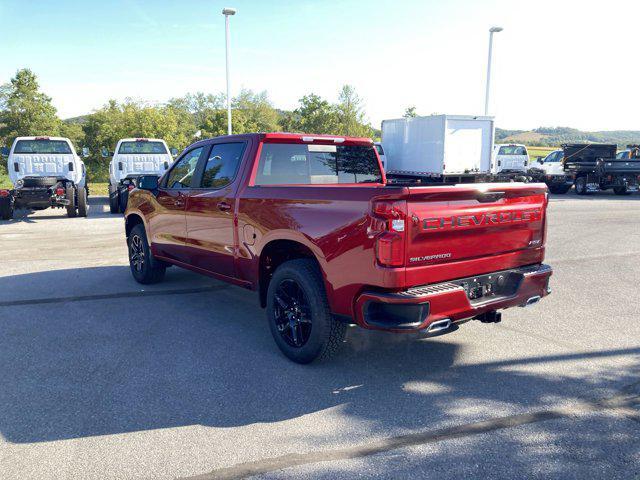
(443,115)
(43,137)
(294,137)
(143,139)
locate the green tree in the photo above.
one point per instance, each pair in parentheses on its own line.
(350,112)
(25,110)
(314,115)
(253,112)
(410,112)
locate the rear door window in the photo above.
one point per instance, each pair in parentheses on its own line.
(309,164)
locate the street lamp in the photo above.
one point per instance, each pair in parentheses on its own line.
(492,30)
(227,12)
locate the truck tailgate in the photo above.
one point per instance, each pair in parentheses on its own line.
(446,224)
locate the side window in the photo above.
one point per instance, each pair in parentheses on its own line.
(222,165)
(182,172)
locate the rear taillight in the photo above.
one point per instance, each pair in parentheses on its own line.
(4,193)
(60,191)
(390,244)
(131,186)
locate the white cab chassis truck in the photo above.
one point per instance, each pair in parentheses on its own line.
(132,158)
(439,148)
(510,158)
(45,172)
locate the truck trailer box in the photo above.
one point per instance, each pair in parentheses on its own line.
(438,145)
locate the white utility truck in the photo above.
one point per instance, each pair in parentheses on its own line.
(132,158)
(45,172)
(445,148)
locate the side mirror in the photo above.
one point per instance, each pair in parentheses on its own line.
(148,182)
(540,160)
(174,152)
(4,151)
(104,152)
(85,152)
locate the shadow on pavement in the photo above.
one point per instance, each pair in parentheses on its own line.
(98,367)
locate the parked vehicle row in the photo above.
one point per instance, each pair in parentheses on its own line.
(590,167)
(313,226)
(46,172)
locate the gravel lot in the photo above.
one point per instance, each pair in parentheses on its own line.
(101,379)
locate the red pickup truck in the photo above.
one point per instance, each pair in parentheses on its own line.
(311,223)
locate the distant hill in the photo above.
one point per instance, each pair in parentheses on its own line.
(82,119)
(555,136)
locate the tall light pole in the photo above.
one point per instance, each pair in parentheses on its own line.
(492,30)
(227,12)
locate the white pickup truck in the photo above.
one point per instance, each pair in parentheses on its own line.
(132,158)
(45,172)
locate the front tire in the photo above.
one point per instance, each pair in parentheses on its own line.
(71,196)
(298,312)
(581,185)
(559,189)
(144,267)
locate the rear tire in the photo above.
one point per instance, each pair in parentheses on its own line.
(71,196)
(123,198)
(298,313)
(114,206)
(621,191)
(6,208)
(83,204)
(144,267)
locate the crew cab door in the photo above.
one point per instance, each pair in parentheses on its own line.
(168,225)
(211,207)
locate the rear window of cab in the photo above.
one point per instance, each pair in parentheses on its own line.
(312,164)
(512,150)
(142,148)
(42,146)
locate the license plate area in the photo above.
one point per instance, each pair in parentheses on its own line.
(492,286)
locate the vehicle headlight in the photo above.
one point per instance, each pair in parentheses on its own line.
(20,183)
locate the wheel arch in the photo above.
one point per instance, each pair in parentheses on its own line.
(274,253)
(131,221)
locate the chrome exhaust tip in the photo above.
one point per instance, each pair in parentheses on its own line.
(531,301)
(439,325)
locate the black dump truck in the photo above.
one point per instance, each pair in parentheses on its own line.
(595,167)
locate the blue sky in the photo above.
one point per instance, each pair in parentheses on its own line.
(431,54)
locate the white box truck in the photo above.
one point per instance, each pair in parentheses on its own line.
(438,146)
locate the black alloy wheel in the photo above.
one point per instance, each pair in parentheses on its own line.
(292,313)
(136,253)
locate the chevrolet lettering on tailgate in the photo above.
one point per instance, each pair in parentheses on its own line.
(481,219)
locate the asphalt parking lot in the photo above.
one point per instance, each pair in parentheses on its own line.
(101,379)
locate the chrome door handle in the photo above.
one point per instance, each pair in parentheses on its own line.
(224,206)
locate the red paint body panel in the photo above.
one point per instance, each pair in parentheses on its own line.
(450,232)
